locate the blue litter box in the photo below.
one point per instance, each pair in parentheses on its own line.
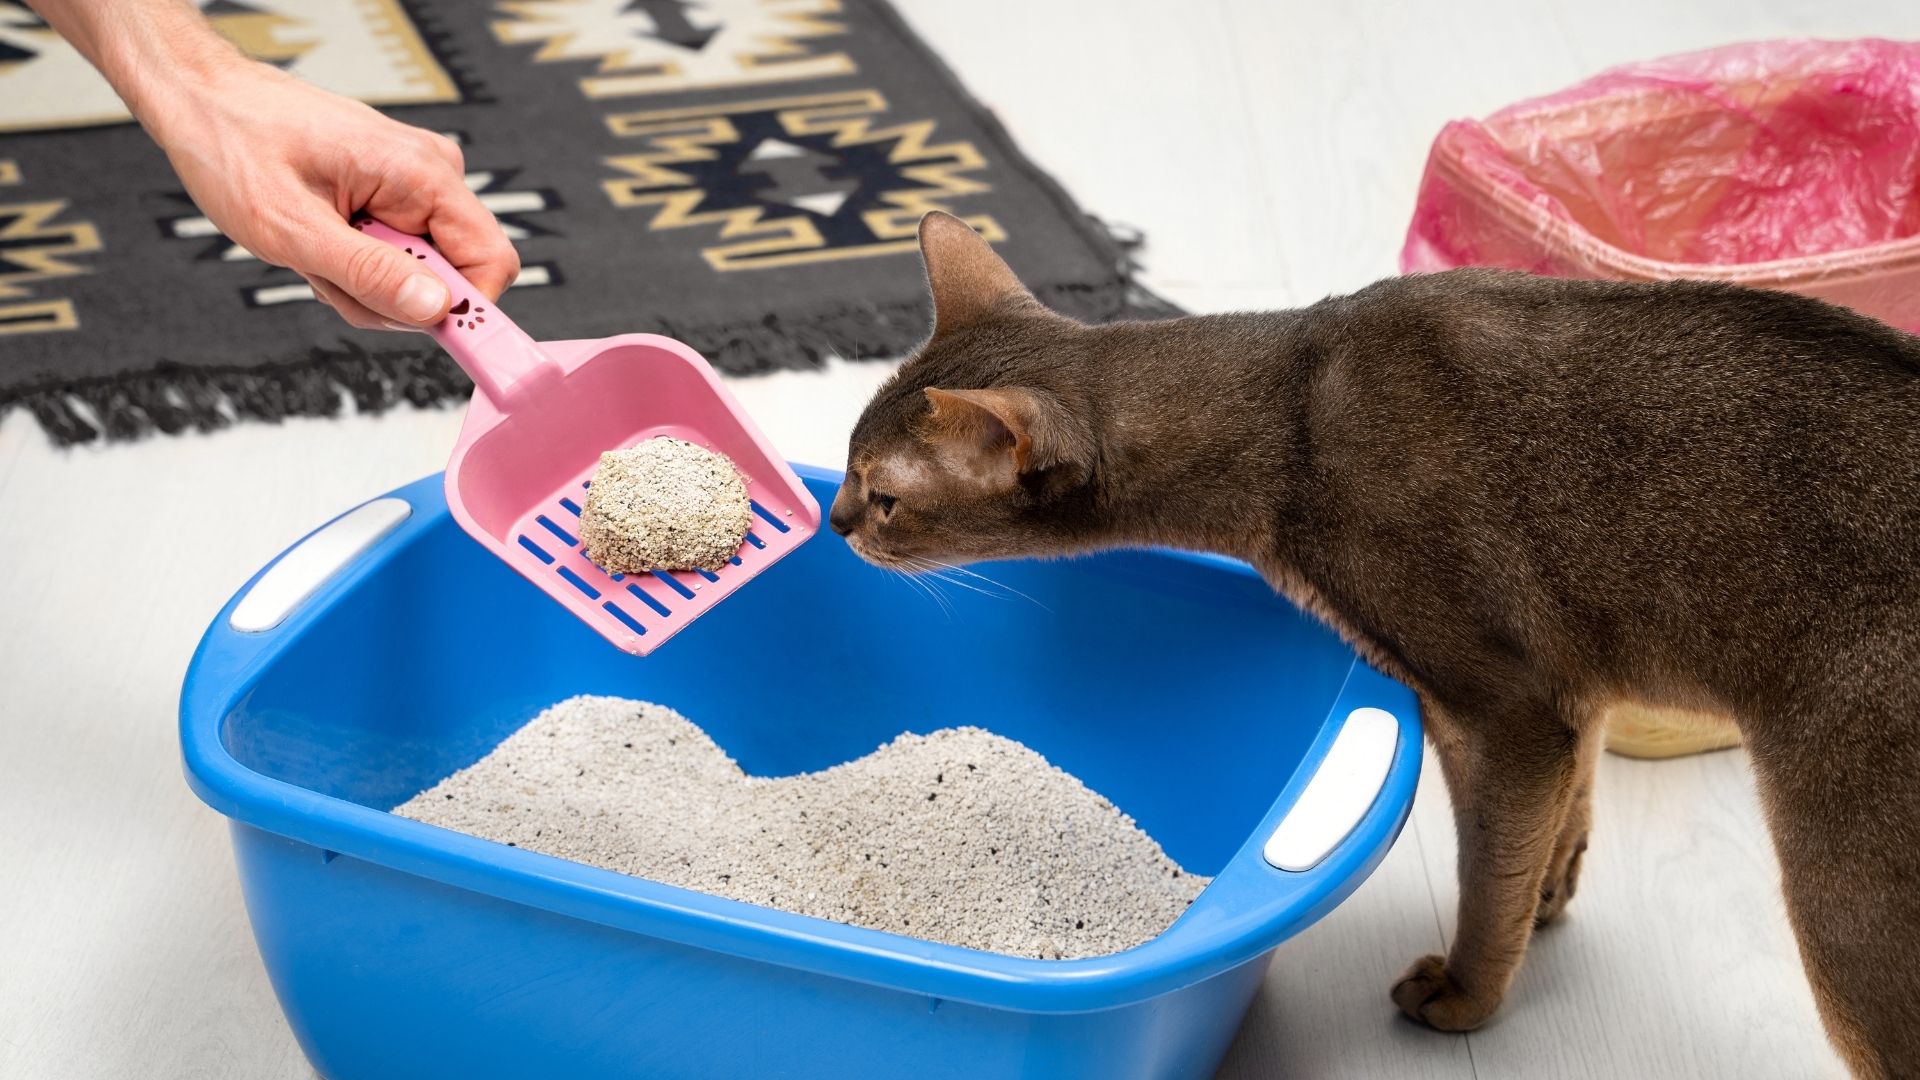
(386,650)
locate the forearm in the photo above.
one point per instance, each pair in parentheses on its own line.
(279,166)
(153,52)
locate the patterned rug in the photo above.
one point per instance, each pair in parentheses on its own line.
(745,175)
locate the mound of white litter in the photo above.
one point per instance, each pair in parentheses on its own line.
(960,836)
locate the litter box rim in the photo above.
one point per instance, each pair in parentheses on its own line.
(1250,907)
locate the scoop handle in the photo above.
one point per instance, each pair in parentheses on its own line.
(502,359)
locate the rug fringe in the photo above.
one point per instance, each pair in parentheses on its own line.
(172,398)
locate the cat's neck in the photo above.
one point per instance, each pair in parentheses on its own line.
(1200,421)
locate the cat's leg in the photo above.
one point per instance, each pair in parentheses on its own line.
(1563,869)
(1841,788)
(1511,775)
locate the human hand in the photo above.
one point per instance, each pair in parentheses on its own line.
(281,166)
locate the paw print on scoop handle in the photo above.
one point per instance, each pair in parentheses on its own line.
(465,314)
(501,357)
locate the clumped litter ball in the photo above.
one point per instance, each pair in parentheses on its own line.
(664,504)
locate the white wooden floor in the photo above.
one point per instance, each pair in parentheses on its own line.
(1271,150)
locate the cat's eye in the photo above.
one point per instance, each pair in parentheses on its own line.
(884,502)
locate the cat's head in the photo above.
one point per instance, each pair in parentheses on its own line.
(981,446)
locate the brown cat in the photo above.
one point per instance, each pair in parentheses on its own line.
(1526,498)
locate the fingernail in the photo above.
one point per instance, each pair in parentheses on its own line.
(422,298)
(405,327)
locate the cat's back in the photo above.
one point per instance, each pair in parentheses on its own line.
(1686,418)
(1499,322)
(1649,356)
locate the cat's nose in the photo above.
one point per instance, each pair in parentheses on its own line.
(843,517)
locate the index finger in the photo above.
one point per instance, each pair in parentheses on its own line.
(473,241)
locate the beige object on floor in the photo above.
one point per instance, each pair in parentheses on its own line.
(1643,731)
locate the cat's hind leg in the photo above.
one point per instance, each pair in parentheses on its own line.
(1569,851)
(1840,784)
(1511,774)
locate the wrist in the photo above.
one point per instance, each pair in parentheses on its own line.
(158,56)
(187,84)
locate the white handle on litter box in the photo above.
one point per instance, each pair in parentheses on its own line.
(1344,787)
(305,567)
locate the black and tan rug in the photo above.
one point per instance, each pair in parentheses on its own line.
(745,175)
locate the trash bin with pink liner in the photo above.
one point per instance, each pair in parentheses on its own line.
(1784,164)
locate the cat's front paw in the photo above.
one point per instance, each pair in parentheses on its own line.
(1430,995)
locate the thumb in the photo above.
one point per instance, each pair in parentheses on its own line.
(381,277)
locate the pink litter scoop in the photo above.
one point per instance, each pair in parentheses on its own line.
(542,414)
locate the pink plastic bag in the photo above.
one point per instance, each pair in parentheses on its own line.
(1786,164)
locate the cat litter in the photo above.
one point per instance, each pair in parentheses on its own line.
(664,504)
(960,836)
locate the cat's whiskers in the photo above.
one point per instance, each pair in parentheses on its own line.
(935,570)
(916,570)
(1007,591)
(945,605)
(933,582)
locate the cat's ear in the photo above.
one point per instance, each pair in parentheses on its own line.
(967,278)
(1004,432)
